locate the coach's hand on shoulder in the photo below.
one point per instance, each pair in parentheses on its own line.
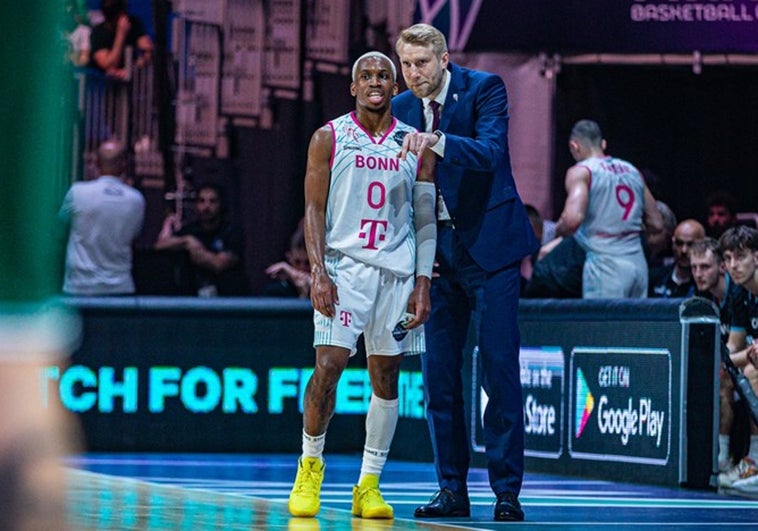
(417,142)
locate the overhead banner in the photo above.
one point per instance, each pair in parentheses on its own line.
(596,26)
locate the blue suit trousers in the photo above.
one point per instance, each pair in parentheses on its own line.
(464,292)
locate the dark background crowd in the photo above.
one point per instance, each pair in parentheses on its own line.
(645,111)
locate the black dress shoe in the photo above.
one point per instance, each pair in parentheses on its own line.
(445,503)
(508,508)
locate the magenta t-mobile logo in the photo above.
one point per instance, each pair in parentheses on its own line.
(345,318)
(376,232)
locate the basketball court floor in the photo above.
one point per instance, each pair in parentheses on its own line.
(234,491)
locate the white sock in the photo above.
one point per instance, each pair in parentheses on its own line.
(313,445)
(381,421)
(723,448)
(753,452)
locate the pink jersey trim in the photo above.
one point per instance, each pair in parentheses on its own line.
(334,145)
(368,134)
(589,183)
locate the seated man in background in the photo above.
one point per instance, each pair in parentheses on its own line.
(292,277)
(675,280)
(715,284)
(607,202)
(105,216)
(557,272)
(214,246)
(659,246)
(739,246)
(722,213)
(544,229)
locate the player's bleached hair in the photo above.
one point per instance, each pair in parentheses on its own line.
(423,35)
(587,132)
(377,55)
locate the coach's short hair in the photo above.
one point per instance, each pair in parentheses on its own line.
(423,35)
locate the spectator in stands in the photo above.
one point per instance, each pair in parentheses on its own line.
(78,34)
(660,252)
(214,246)
(739,246)
(105,216)
(715,284)
(722,213)
(557,272)
(675,280)
(607,202)
(111,39)
(544,229)
(291,277)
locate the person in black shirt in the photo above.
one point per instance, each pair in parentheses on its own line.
(292,276)
(110,39)
(214,246)
(739,246)
(722,213)
(716,285)
(675,281)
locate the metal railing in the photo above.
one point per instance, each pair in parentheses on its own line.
(111,108)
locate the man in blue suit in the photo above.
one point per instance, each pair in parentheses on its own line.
(483,233)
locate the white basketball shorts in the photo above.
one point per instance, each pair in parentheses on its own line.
(372,301)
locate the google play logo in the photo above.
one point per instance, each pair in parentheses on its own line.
(583,396)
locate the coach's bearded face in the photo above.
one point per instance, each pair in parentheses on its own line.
(422,70)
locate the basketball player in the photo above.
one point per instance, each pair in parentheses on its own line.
(607,201)
(715,284)
(370,231)
(739,246)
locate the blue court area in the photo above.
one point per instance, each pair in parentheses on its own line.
(238,491)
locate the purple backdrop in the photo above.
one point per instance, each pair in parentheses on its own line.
(571,26)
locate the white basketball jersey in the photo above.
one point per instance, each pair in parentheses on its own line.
(369,212)
(613,220)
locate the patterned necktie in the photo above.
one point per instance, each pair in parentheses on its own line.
(442,213)
(435,106)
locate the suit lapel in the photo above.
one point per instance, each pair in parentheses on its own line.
(455,94)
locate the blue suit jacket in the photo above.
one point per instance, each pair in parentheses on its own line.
(475,174)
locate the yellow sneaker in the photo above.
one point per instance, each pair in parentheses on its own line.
(305,498)
(368,501)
